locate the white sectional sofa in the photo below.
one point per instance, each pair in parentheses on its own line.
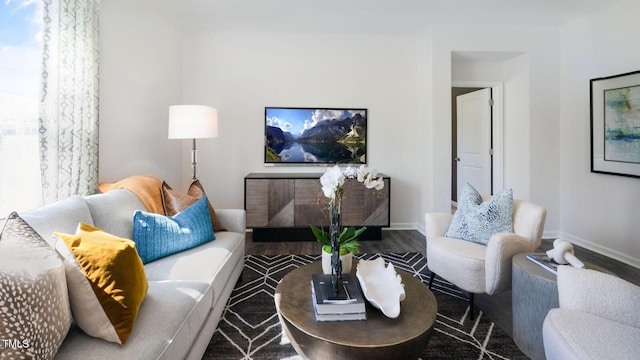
(187,291)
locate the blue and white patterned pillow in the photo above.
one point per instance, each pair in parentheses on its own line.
(476,220)
(157,236)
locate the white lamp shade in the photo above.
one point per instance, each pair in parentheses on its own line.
(192,122)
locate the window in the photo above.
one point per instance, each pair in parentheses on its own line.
(20,59)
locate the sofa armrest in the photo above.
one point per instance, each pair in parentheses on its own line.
(500,250)
(599,294)
(436,224)
(234,220)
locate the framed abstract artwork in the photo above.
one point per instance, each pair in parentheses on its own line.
(615,124)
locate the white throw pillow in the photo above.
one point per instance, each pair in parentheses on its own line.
(476,220)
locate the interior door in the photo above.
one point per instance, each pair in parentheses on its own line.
(474,140)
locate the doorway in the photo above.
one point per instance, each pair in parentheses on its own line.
(481,103)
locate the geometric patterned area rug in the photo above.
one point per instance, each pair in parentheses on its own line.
(249,328)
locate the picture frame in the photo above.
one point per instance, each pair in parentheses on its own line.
(615,124)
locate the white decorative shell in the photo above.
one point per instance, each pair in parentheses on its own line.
(381,285)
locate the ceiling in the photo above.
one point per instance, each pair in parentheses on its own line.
(393,17)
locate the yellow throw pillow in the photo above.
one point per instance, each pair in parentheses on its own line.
(106,281)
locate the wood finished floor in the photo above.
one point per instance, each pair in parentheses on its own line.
(497,307)
(393,241)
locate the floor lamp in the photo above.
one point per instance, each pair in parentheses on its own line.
(193,122)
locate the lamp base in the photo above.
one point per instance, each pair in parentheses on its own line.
(194,160)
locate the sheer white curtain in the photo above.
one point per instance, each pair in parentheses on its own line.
(68,115)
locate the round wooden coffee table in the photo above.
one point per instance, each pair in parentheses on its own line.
(378,337)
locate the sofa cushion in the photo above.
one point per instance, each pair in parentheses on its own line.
(157,236)
(106,281)
(469,260)
(62,216)
(211,263)
(571,334)
(34,304)
(198,264)
(173,202)
(113,211)
(476,220)
(170,318)
(614,298)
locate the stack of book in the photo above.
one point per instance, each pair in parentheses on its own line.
(545,262)
(349,306)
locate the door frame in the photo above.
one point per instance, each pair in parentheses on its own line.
(498,127)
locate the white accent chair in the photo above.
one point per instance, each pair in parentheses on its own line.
(598,318)
(476,268)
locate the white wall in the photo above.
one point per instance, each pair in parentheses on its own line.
(517,109)
(598,211)
(512,71)
(477,70)
(241,73)
(139,78)
(148,65)
(533,79)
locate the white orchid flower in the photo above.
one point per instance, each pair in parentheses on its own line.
(327,181)
(379,184)
(331,180)
(361,173)
(369,182)
(336,174)
(349,172)
(329,192)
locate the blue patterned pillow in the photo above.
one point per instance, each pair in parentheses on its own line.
(157,236)
(476,220)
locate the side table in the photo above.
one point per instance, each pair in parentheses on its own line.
(534,293)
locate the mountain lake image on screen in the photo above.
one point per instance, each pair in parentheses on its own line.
(315,136)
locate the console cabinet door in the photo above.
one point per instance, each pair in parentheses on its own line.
(270,202)
(310,203)
(362,206)
(286,202)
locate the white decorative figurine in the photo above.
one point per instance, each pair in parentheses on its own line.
(562,253)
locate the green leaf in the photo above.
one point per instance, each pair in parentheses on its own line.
(352,247)
(360,231)
(348,239)
(347,234)
(323,237)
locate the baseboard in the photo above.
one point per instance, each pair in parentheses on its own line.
(572,239)
(550,234)
(401,226)
(545,235)
(601,249)
(394,226)
(422,230)
(303,233)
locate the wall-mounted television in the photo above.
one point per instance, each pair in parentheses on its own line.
(315,136)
